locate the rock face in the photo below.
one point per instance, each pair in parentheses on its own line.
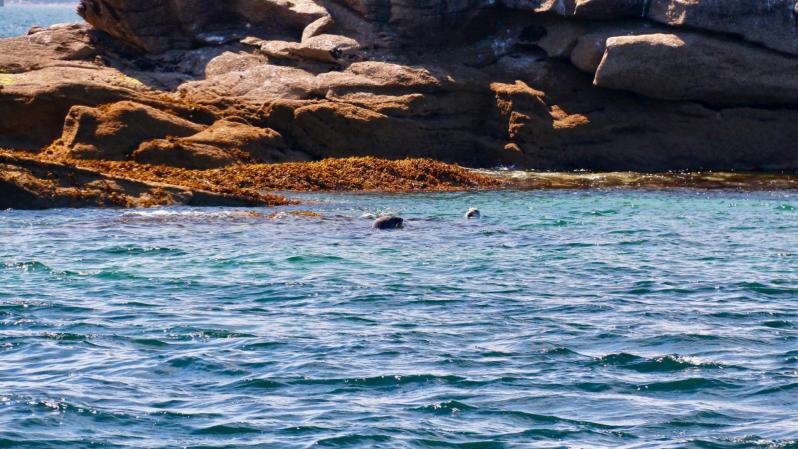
(114,131)
(547,84)
(127,130)
(771,23)
(690,66)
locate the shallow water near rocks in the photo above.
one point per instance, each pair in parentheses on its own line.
(16,20)
(573,319)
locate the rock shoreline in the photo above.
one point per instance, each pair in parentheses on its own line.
(559,85)
(47,180)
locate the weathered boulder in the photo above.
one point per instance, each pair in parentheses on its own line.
(33,104)
(46,47)
(589,9)
(327,48)
(690,66)
(224,143)
(152,25)
(771,23)
(160,25)
(45,73)
(609,9)
(182,154)
(247,142)
(291,14)
(113,132)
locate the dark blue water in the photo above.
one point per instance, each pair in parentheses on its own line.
(567,319)
(16,20)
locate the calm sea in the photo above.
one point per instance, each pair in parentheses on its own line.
(16,20)
(570,319)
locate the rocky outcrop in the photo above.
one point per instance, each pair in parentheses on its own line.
(547,84)
(177,153)
(33,184)
(113,132)
(771,23)
(131,131)
(690,66)
(161,25)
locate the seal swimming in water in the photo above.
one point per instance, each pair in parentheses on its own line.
(473,213)
(389,222)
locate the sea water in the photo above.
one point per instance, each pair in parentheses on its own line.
(16,20)
(568,319)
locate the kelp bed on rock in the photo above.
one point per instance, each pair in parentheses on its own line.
(50,180)
(346,174)
(706,180)
(32,182)
(43,180)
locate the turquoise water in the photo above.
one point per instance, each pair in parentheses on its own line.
(16,20)
(572,319)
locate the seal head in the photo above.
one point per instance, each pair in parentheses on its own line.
(389,222)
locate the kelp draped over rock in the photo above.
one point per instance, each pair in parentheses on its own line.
(549,84)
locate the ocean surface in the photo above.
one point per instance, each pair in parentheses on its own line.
(562,319)
(16,20)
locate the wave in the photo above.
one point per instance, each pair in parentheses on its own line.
(770,290)
(780,324)
(152,342)
(704,419)
(388,381)
(136,250)
(227,430)
(41,268)
(561,352)
(445,408)
(34,266)
(352,439)
(779,389)
(205,333)
(438,444)
(255,384)
(65,336)
(551,419)
(314,259)
(665,364)
(750,442)
(693,384)
(191,217)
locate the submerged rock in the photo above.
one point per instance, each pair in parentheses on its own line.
(473,213)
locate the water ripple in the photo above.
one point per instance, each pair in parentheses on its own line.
(600,319)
